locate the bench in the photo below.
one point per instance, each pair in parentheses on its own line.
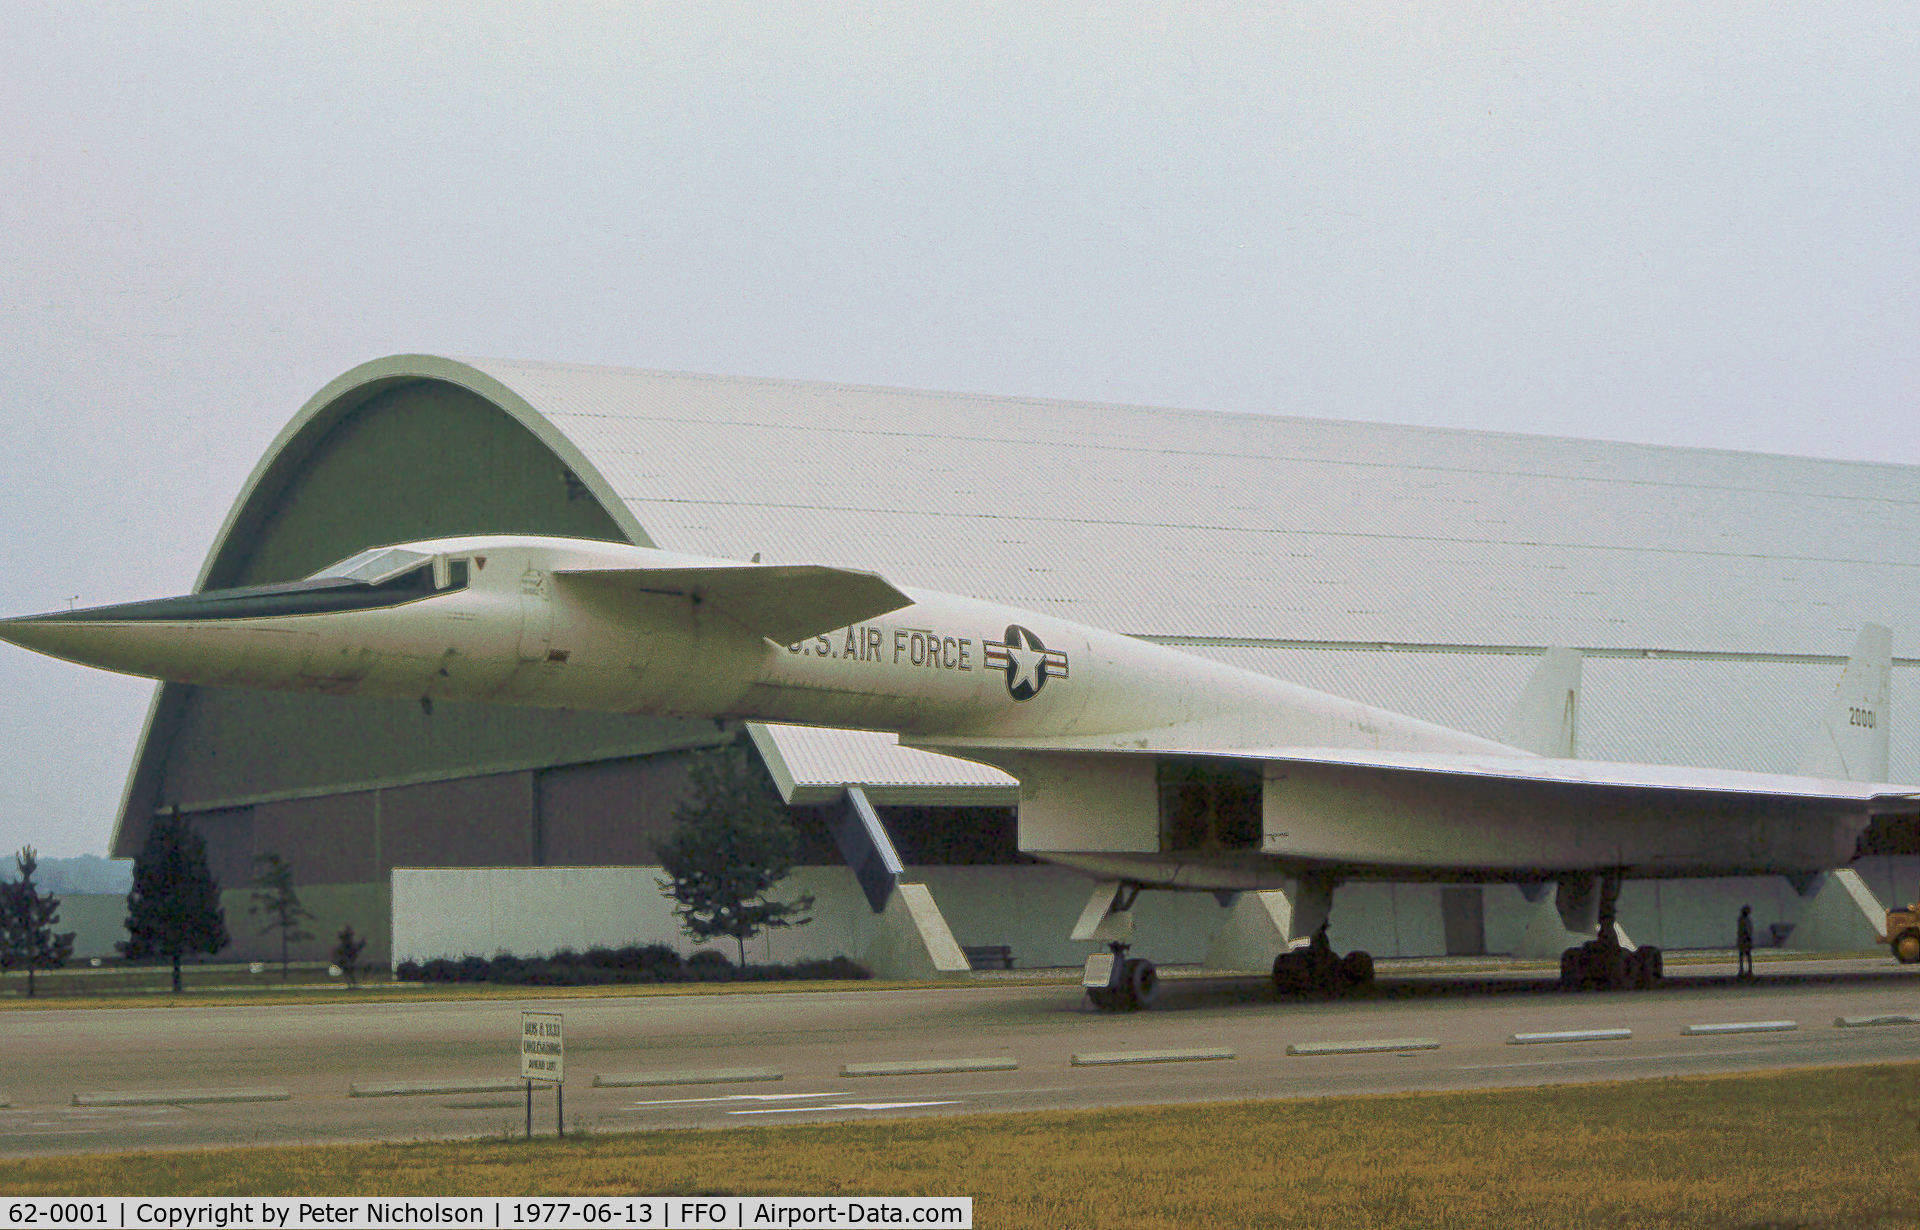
(989,956)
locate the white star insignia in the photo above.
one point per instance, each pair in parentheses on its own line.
(1028,664)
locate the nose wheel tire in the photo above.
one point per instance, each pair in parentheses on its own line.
(1143,981)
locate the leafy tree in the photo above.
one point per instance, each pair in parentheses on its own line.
(27,938)
(273,897)
(731,843)
(174,908)
(346,954)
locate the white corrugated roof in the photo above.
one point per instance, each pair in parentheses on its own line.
(1183,522)
(1293,545)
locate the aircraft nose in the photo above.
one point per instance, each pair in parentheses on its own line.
(185,637)
(27,632)
(55,630)
(68,635)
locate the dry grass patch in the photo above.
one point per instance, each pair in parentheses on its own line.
(1819,1147)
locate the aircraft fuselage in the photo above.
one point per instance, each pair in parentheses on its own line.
(1086,719)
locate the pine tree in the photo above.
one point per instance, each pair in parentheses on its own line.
(275,898)
(731,843)
(174,908)
(27,938)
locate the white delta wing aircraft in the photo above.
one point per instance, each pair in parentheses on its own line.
(1139,765)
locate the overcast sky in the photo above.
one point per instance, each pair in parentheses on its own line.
(1683,224)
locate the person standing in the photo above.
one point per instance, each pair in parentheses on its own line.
(1743,941)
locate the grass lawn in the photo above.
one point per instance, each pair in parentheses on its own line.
(1835,1147)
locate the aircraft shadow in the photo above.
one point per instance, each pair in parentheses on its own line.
(1192,994)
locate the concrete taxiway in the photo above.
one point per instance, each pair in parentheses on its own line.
(141,1078)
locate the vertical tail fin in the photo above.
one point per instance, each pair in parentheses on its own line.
(1546,720)
(1851,744)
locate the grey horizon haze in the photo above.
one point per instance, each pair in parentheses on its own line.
(1683,225)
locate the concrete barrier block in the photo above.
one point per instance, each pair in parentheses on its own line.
(1868,1022)
(411,1089)
(1086,1059)
(178,1097)
(923,1067)
(1570,1035)
(1363,1048)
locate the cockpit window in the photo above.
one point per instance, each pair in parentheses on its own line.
(375,566)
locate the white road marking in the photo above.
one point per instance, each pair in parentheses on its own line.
(796,1110)
(734,1097)
(1613,1059)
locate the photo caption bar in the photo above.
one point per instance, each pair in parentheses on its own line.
(495,1213)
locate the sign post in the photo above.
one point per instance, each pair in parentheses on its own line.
(543,1058)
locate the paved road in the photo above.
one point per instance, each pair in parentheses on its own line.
(316,1052)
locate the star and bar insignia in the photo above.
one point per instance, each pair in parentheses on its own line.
(1028,663)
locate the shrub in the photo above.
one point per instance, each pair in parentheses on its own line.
(657,962)
(710,966)
(840,969)
(610,966)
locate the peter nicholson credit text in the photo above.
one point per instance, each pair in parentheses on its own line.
(498,1213)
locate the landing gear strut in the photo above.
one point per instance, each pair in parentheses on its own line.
(1602,963)
(1131,983)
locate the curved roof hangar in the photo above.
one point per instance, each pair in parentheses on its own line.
(1414,567)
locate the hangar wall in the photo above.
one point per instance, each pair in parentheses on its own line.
(344,846)
(537,911)
(1031,909)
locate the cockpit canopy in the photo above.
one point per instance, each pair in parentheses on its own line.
(398,568)
(374,566)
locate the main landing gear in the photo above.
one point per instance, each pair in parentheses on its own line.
(1602,963)
(1316,971)
(1131,982)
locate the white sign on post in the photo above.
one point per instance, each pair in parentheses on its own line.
(542,1057)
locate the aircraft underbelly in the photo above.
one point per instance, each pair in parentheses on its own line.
(1118,816)
(1346,815)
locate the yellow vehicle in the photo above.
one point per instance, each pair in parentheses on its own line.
(1903,934)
